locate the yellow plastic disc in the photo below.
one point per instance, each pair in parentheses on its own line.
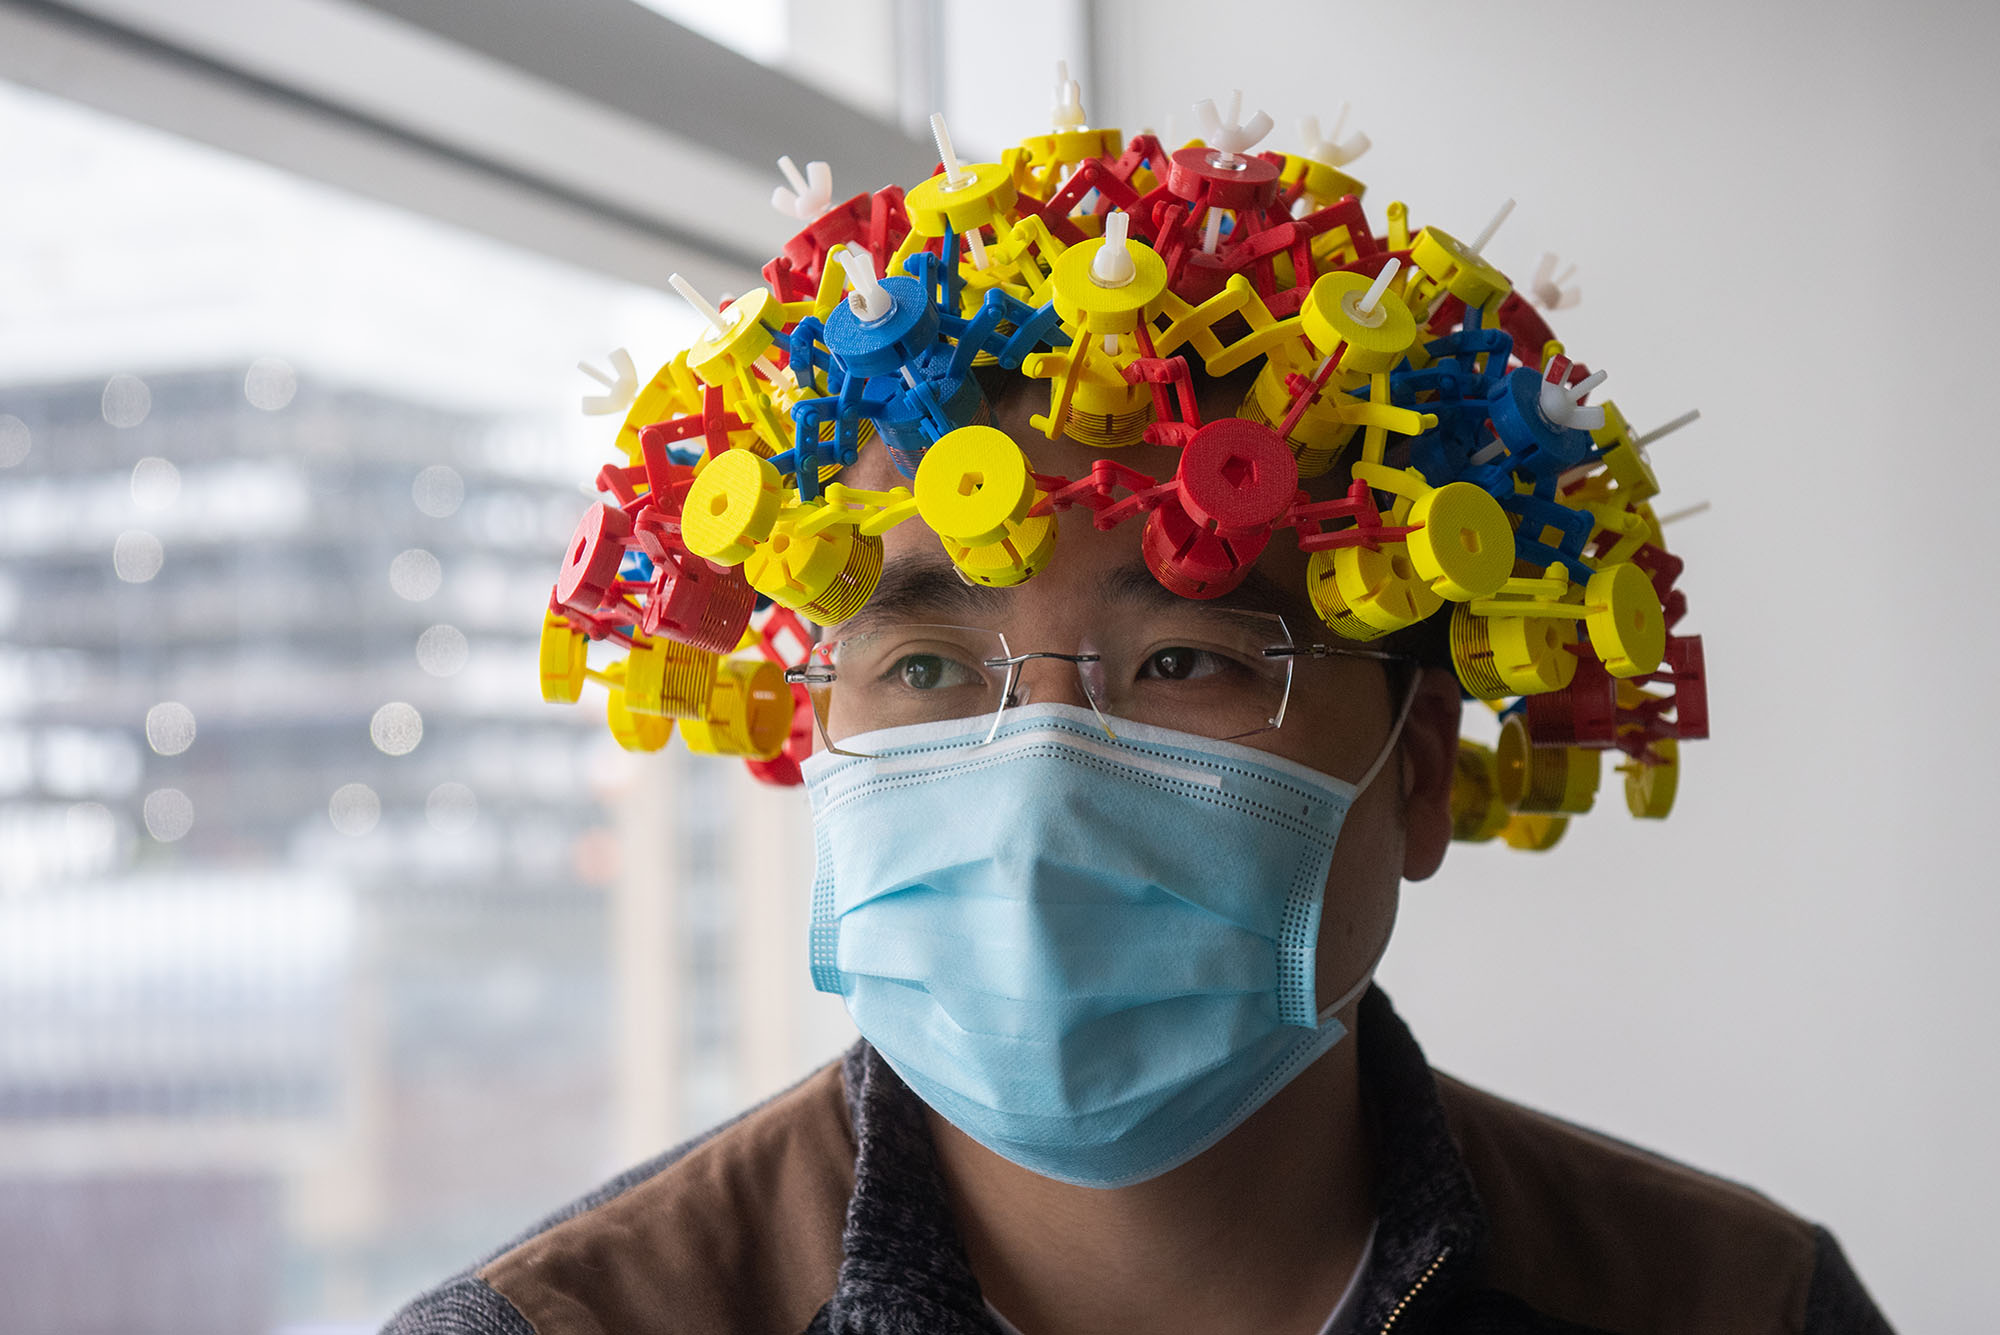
(753,320)
(1534,832)
(1331,314)
(1649,789)
(562,658)
(1477,813)
(1084,303)
(1501,656)
(973,484)
(987,198)
(731,506)
(1627,628)
(1465,547)
(1450,264)
(1544,778)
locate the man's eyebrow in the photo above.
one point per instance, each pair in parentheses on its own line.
(1257,593)
(924,589)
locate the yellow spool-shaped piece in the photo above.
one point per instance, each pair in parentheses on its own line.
(1451,265)
(664,676)
(1014,559)
(973,485)
(1477,813)
(1628,631)
(1364,595)
(1319,435)
(827,575)
(749,712)
(1107,430)
(562,661)
(1501,656)
(1544,778)
(634,732)
(731,507)
(754,320)
(1465,547)
(1331,314)
(988,197)
(1087,306)
(1649,789)
(1534,832)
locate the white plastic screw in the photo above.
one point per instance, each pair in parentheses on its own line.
(1492,227)
(1112,266)
(955,176)
(1231,137)
(1212,235)
(1550,292)
(1378,287)
(699,302)
(1661,432)
(808,196)
(1331,148)
(621,385)
(1689,513)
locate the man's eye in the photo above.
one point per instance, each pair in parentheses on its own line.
(925,672)
(1178,663)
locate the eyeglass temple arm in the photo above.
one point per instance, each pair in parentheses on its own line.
(1332,650)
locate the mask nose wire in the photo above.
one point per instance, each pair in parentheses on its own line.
(1367,975)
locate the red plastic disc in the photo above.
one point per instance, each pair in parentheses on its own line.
(591,565)
(1237,477)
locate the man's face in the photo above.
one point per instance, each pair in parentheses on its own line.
(1340,711)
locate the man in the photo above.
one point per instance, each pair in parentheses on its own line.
(1104,872)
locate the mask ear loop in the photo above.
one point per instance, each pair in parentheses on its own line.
(1353,994)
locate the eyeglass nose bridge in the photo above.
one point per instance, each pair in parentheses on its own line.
(1010,694)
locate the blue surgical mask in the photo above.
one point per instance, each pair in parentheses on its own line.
(1094,956)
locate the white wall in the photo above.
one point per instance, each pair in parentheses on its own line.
(1783,215)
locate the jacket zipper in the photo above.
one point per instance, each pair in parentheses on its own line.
(1404,1301)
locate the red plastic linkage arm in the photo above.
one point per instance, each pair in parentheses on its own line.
(1160,372)
(1098,491)
(1312,517)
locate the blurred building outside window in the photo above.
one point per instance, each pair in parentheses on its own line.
(330,956)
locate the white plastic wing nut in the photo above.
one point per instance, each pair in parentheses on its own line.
(1559,403)
(1112,265)
(869,299)
(1068,113)
(808,196)
(1550,292)
(621,385)
(1330,148)
(1231,137)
